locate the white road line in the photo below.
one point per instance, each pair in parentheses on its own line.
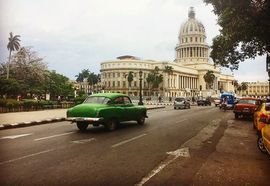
(126,141)
(53,136)
(27,156)
(83,141)
(184,152)
(15,136)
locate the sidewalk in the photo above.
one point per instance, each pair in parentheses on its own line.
(23,119)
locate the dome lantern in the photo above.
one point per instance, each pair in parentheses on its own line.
(191,13)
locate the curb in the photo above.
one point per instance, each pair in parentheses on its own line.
(45,121)
(30,123)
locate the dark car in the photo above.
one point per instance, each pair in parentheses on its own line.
(204,101)
(181,102)
(246,107)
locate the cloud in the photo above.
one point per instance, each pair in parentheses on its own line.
(74,35)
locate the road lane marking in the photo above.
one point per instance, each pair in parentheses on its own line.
(83,141)
(184,152)
(27,156)
(53,136)
(126,141)
(16,136)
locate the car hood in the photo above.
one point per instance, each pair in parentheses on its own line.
(85,110)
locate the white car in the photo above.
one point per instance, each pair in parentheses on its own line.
(217,102)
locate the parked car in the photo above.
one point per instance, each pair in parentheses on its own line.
(204,101)
(246,107)
(107,109)
(182,103)
(262,112)
(263,141)
(217,101)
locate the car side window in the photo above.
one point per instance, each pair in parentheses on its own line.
(118,101)
(127,100)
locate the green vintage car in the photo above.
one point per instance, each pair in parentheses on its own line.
(107,109)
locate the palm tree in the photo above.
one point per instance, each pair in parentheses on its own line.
(130,79)
(209,78)
(12,45)
(168,70)
(244,86)
(155,78)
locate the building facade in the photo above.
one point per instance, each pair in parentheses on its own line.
(257,89)
(190,65)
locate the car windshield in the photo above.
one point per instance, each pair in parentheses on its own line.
(247,101)
(97,99)
(179,99)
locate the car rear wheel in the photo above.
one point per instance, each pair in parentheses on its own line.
(82,126)
(141,120)
(111,125)
(260,144)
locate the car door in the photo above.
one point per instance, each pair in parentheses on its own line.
(266,136)
(118,110)
(130,111)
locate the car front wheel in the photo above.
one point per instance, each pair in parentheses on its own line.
(260,144)
(141,120)
(82,126)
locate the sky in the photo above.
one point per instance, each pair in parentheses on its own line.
(72,35)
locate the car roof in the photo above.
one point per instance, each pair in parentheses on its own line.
(109,95)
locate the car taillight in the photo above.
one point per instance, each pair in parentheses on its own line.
(263,116)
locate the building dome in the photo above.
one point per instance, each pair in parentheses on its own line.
(192,47)
(192,25)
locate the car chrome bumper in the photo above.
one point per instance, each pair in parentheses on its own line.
(74,119)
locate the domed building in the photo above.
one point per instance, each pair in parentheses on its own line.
(188,69)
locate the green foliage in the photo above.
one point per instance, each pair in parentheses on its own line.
(154,78)
(244,33)
(10,87)
(130,78)
(57,85)
(209,78)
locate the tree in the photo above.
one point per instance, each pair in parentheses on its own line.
(9,87)
(130,78)
(83,75)
(168,70)
(12,45)
(154,78)
(28,69)
(209,78)
(244,32)
(58,85)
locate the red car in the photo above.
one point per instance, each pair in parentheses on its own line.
(246,107)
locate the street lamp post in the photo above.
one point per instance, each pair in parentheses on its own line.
(268,70)
(140,101)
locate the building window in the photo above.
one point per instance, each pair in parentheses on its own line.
(109,84)
(186,39)
(190,39)
(196,39)
(135,83)
(113,84)
(124,83)
(113,75)
(118,74)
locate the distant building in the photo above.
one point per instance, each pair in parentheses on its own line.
(190,65)
(257,89)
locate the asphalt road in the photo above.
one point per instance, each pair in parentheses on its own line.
(59,154)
